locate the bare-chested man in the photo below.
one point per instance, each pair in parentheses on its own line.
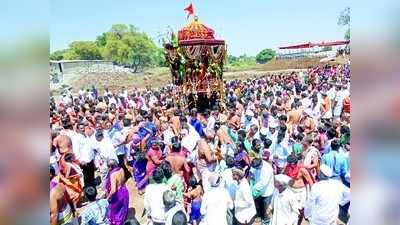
(206,162)
(63,143)
(307,122)
(175,122)
(293,117)
(234,118)
(177,159)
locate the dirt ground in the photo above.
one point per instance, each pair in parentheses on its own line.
(157,77)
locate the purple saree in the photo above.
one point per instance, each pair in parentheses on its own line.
(119,203)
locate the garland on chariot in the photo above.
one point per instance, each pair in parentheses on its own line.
(196,60)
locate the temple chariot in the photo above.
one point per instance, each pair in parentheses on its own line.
(196,61)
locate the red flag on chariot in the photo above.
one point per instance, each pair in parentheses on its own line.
(189,10)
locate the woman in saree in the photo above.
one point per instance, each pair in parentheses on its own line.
(117,194)
(71,177)
(139,163)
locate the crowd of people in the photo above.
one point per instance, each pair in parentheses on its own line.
(276,151)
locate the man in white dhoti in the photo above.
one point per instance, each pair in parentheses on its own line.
(215,204)
(284,207)
(322,206)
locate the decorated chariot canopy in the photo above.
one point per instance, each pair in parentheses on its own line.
(196,59)
(197,39)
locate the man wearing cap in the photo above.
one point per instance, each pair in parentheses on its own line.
(322,205)
(248,120)
(272,131)
(284,207)
(215,203)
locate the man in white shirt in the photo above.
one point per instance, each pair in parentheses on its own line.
(215,203)
(211,120)
(331,92)
(272,130)
(338,101)
(171,207)
(104,147)
(305,100)
(167,133)
(105,152)
(76,137)
(107,92)
(248,119)
(280,151)
(227,178)
(262,184)
(86,159)
(81,92)
(153,198)
(245,209)
(114,133)
(124,93)
(284,207)
(118,138)
(112,100)
(190,137)
(322,206)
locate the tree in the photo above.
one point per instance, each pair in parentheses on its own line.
(265,55)
(143,51)
(159,57)
(84,50)
(347,34)
(123,44)
(232,59)
(70,55)
(344,17)
(344,20)
(58,55)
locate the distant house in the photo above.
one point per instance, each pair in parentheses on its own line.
(311,49)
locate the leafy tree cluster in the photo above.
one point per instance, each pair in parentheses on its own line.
(123,44)
(344,20)
(265,55)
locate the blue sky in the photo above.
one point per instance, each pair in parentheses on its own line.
(247,26)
